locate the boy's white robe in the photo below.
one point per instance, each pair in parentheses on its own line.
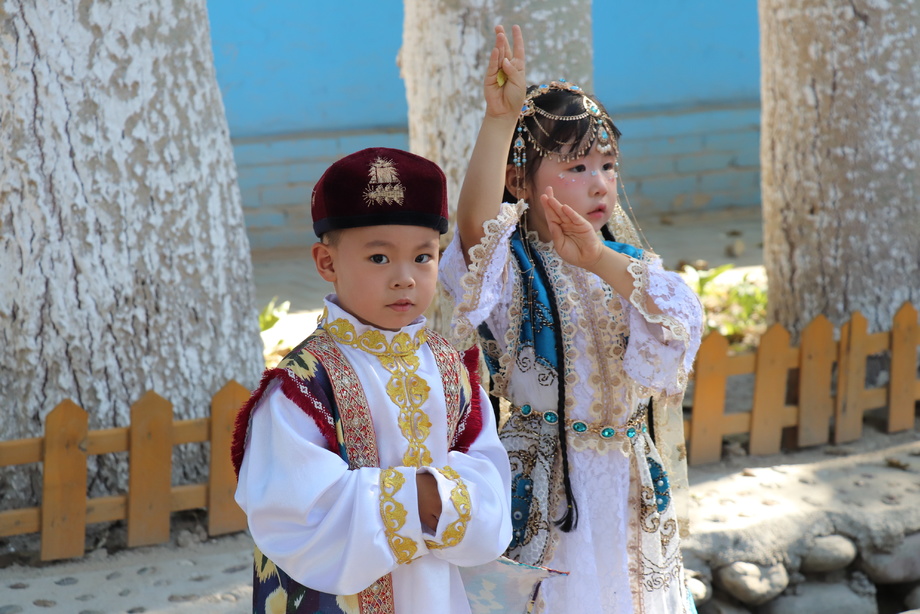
(324,524)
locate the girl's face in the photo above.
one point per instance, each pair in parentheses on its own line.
(587,184)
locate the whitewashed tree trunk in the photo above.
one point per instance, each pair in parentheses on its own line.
(446,45)
(840,147)
(124,263)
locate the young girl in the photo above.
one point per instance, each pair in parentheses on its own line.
(590,341)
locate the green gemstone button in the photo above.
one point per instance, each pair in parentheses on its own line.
(608,432)
(579,427)
(526,409)
(551,417)
(630,432)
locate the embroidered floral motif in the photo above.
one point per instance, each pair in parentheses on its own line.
(660,576)
(405,388)
(373,341)
(460,498)
(383,186)
(394,516)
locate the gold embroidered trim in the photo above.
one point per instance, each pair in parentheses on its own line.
(357,427)
(383,186)
(394,515)
(480,255)
(378,597)
(460,498)
(374,341)
(559,272)
(603,347)
(357,434)
(453,377)
(406,388)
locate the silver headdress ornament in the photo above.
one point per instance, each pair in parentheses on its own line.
(600,132)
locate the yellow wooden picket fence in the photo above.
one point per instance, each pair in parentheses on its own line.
(829,408)
(151,498)
(825,410)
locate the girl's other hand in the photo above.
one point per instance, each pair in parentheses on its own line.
(505,92)
(573,237)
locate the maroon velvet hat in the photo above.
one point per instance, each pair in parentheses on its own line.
(378,186)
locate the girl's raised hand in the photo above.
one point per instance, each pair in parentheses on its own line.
(505,86)
(573,237)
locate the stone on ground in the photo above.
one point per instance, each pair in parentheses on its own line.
(753,584)
(829,553)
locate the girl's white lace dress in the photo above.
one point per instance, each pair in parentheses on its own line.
(624,554)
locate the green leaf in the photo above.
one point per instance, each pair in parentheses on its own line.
(270,314)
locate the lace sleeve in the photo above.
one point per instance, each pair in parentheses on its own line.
(662,346)
(479,290)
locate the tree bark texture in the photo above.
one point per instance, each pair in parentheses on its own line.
(124,262)
(446,46)
(840,146)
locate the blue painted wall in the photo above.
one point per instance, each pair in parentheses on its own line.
(284,67)
(303,86)
(682,78)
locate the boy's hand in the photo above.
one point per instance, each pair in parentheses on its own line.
(505,87)
(429,501)
(573,236)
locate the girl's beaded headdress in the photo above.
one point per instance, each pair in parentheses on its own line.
(599,131)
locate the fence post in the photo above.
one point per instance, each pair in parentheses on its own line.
(224,515)
(150,471)
(708,401)
(63,510)
(816,365)
(903,384)
(771,373)
(851,379)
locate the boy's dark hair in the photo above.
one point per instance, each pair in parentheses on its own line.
(331,237)
(562,137)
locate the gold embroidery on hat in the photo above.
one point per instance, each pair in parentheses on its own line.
(384,186)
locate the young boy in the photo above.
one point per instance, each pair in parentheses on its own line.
(367,467)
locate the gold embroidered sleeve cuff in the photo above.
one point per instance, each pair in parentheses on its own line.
(399,513)
(456,509)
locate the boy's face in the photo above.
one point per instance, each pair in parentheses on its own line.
(385,276)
